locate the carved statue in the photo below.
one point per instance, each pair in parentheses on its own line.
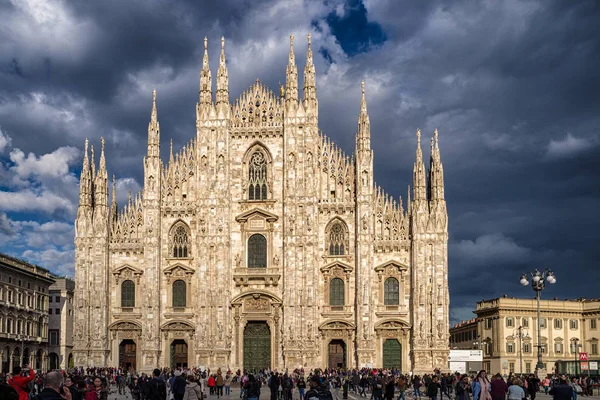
(276,260)
(238,260)
(421,331)
(440,329)
(365,330)
(220,330)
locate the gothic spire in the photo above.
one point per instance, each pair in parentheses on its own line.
(101,183)
(85,183)
(205,79)
(222,81)
(363,137)
(153,130)
(291,76)
(436,171)
(113,205)
(93,163)
(419,172)
(310,87)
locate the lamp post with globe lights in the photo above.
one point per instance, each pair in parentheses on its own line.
(538,282)
(519,334)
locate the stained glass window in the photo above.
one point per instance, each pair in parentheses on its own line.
(336,292)
(179,293)
(180,242)
(336,240)
(391,292)
(257,251)
(257,176)
(128,294)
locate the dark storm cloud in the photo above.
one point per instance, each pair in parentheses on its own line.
(513,87)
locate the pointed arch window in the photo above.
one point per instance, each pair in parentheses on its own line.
(179,293)
(391,292)
(257,176)
(257,251)
(128,294)
(337,239)
(180,244)
(336,292)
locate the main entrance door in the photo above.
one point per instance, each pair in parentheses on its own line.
(179,354)
(127,353)
(257,346)
(392,354)
(337,354)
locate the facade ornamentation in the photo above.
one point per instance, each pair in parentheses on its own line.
(196,258)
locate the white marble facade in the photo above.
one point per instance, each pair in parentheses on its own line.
(261,219)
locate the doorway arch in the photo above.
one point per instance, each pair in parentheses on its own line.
(337,354)
(392,354)
(127,354)
(16,358)
(5,360)
(53,361)
(179,354)
(257,346)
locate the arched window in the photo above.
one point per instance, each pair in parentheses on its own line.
(336,292)
(391,292)
(180,242)
(179,293)
(257,251)
(257,176)
(337,238)
(128,294)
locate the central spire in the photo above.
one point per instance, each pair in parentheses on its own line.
(419,186)
(363,137)
(310,88)
(205,79)
(153,130)
(291,76)
(222,83)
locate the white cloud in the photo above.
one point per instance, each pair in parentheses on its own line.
(124,187)
(36,201)
(55,164)
(491,248)
(61,262)
(569,146)
(5,141)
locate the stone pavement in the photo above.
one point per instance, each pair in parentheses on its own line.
(265,395)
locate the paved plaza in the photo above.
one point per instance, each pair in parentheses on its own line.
(265,395)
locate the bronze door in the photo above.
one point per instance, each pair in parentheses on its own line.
(337,354)
(179,354)
(127,354)
(257,346)
(392,354)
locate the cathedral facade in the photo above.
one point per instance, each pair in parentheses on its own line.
(261,244)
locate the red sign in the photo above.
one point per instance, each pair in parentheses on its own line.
(584,366)
(583,357)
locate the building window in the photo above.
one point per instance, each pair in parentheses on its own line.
(336,292)
(337,240)
(487,348)
(128,294)
(510,322)
(50,299)
(525,322)
(50,311)
(527,367)
(593,323)
(391,292)
(511,367)
(526,348)
(488,323)
(558,348)
(57,311)
(543,347)
(180,242)
(257,176)
(510,347)
(573,324)
(257,251)
(179,293)
(594,348)
(557,323)
(57,299)
(20,299)
(54,337)
(542,322)
(9,325)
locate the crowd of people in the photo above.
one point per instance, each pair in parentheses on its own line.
(195,384)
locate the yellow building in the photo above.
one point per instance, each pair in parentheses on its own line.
(508,331)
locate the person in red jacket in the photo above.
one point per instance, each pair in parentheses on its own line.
(19,381)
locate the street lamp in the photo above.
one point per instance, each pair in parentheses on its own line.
(520,335)
(575,346)
(538,282)
(478,342)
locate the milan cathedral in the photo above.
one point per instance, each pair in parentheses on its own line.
(261,244)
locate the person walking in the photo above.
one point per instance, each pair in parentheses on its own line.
(433,388)
(192,389)
(562,390)
(155,388)
(481,387)
(515,391)
(301,385)
(20,381)
(499,387)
